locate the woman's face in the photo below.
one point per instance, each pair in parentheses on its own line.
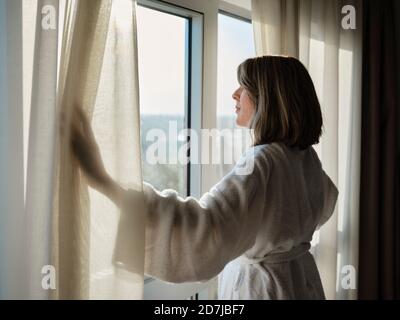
(244,107)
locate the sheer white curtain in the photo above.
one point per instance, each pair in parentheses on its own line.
(312,31)
(11,150)
(83,53)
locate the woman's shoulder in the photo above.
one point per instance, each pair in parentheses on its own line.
(265,150)
(280,152)
(255,157)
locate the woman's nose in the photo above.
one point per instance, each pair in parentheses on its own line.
(235,94)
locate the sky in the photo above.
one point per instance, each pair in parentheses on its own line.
(161,46)
(235,44)
(162,49)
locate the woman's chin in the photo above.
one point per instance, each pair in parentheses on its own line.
(239,123)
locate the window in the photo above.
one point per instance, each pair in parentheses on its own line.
(163,73)
(235,44)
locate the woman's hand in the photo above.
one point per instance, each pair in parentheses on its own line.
(86,150)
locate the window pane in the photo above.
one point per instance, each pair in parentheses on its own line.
(162,53)
(235,44)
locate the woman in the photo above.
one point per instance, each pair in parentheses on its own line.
(255,227)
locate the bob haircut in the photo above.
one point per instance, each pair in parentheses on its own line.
(286,104)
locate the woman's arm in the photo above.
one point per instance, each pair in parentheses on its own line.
(187,239)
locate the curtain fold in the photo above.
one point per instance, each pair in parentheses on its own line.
(312,32)
(11,151)
(379,211)
(40,157)
(72,204)
(88,58)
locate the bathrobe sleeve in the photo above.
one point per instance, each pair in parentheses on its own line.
(190,240)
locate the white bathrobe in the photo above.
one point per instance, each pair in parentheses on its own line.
(253,230)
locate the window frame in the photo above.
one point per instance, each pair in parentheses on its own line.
(234,11)
(234,15)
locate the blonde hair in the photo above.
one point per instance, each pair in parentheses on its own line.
(286,104)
